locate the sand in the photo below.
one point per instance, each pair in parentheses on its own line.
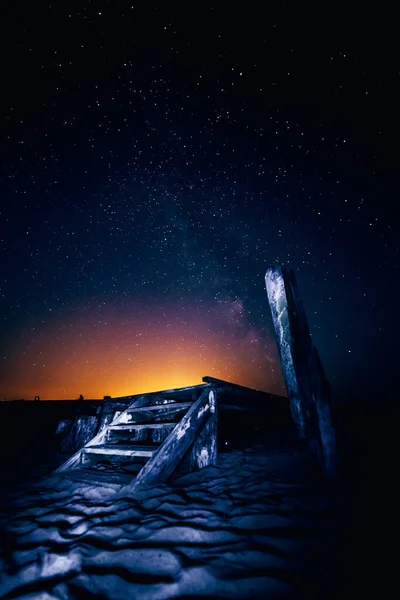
(262,523)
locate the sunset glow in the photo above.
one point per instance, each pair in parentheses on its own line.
(120,351)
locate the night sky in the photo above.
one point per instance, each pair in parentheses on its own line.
(156,161)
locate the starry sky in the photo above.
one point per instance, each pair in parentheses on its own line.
(157,159)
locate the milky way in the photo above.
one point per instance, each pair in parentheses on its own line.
(155,164)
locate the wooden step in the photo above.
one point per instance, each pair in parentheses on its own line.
(140,426)
(117,450)
(94,477)
(148,434)
(155,413)
(160,407)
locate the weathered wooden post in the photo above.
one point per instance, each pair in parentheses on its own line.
(306,384)
(204,451)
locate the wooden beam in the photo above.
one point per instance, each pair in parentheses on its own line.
(174,393)
(204,451)
(234,389)
(235,397)
(220,383)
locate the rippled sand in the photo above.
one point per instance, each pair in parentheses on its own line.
(260,524)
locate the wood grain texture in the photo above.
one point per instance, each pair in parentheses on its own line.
(306,383)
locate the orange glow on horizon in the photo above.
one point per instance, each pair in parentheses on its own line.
(136,351)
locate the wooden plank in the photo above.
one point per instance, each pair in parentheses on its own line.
(156,412)
(222,383)
(175,393)
(306,383)
(139,426)
(114,450)
(225,388)
(164,462)
(159,407)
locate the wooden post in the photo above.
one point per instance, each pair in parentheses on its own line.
(204,451)
(306,383)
